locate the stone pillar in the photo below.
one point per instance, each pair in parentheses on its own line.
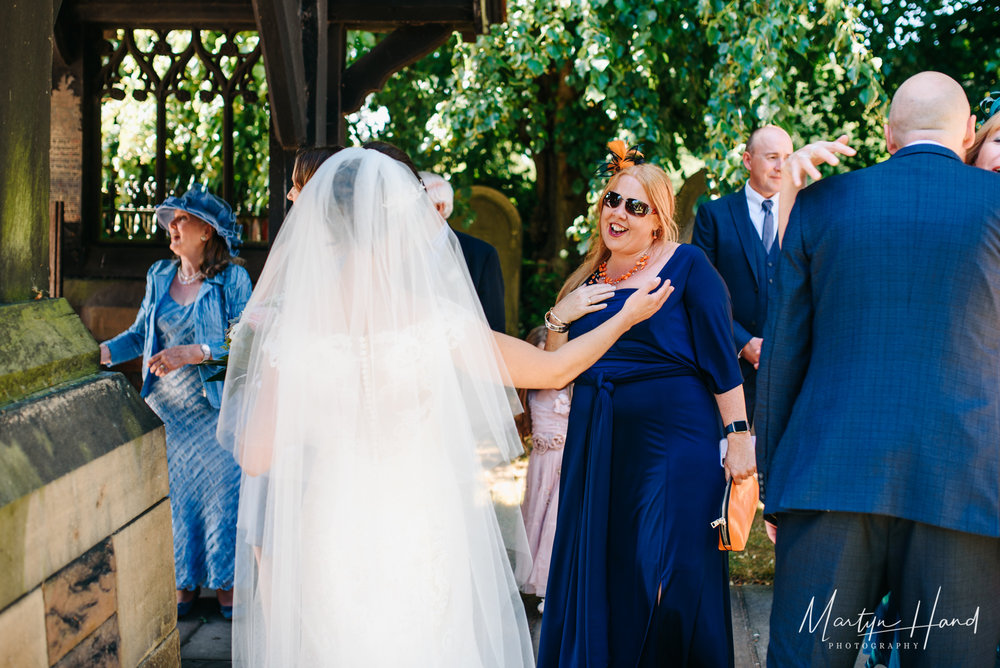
(86,552)
(25,87)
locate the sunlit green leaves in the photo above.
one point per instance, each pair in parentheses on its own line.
(687,79)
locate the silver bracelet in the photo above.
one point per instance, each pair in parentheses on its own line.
(556,319)
(560,328)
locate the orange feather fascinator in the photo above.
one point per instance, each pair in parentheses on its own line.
(622,156)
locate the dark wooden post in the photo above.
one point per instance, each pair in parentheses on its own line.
(336,126)
(57,216)
(330,55)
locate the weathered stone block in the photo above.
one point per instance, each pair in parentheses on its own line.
(166,655)
(51,434)
(48,528)
(79,599)
(98,650)
(44,343)
(147,607)
(22,633)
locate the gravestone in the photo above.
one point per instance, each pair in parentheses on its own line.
(498,223)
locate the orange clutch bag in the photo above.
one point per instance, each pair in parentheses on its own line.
(739,505)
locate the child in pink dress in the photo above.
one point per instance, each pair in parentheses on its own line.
(547,412)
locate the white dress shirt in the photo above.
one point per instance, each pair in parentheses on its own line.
(755,203)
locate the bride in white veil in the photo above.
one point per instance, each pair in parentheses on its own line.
(364,398)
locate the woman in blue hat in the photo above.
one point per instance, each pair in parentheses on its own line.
(182,321)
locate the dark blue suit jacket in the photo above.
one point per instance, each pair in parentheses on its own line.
(722,228)
(879,389)
(484,269)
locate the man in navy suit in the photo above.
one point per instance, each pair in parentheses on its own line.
(481,257)
(737,233)
(879,405)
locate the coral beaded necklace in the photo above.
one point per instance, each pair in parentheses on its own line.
(601,275)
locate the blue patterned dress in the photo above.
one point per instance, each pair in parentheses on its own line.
(204,479)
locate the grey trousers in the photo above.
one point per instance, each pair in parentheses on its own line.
(833,568)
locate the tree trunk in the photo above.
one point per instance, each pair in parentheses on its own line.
(558,206)
(693,188)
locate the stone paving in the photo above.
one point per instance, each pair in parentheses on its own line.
(205,635)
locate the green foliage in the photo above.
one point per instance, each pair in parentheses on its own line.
(680,78)
(528,107)
(957,37)
(540,286)
(755,564)
(805,67)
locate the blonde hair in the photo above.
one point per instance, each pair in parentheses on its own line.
(660,192)
(990,126)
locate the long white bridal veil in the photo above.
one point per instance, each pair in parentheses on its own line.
(364,399)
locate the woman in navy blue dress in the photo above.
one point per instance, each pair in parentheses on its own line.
(636,577)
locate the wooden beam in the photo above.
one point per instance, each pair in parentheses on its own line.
(207,15)
(397,50)
(324,68)
(107,260)
(468,16)
(281,41)
(336,126)
(395,12)
(67,35)
(494,11)
(279,181)
(57,216)
(375,15)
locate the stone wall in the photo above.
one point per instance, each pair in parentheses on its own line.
(86,550)
(66,143)
(66,155)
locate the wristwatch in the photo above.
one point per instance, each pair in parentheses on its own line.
(737,427)
(206,353)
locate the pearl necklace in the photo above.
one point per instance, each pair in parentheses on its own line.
(601,275)
(184,279)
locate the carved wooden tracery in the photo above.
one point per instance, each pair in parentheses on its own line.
(310,87)
(161,86)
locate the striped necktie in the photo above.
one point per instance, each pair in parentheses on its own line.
(768,235)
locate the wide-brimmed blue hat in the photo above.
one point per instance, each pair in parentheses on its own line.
(199,202)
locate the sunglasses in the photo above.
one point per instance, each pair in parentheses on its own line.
(636,207)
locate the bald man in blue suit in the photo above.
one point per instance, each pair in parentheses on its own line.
(737,233)
(878,418)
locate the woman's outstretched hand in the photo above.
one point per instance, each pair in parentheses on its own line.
(174,357)
(644,302)
(585,299)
